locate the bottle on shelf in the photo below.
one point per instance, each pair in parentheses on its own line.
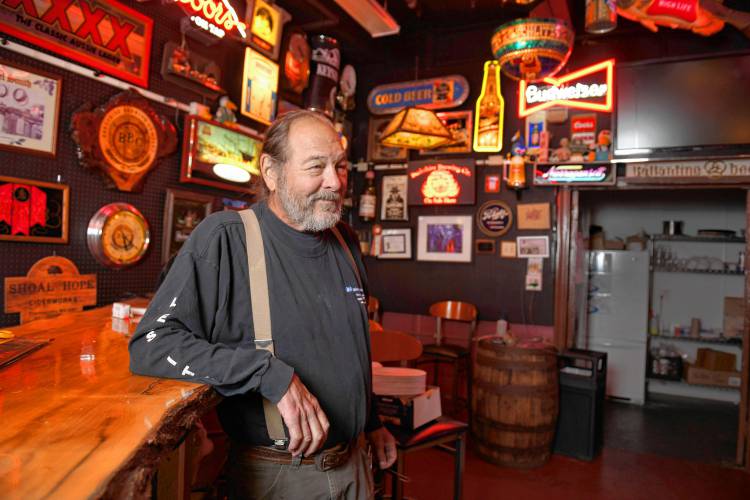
(368,198)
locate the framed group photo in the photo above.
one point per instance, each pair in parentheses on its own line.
(396,244)
(183,211)
(445,238)
(29,110)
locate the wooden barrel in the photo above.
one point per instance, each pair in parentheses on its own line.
(514,404)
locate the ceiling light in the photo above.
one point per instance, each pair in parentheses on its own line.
(415,128)
(371,16)
(231,173)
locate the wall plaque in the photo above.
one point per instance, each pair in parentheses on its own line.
(102,34)
(124,138)
(51,287)
(33,211)
(436,93)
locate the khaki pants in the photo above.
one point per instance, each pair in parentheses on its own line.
(256,479)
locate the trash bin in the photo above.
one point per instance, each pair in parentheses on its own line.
(580,424)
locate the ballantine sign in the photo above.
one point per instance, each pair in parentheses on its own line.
(434,183)
(103,34)
(217,17)
(566,91)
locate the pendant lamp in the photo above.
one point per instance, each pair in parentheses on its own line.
(415,128)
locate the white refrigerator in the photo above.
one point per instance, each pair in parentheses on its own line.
(617,319)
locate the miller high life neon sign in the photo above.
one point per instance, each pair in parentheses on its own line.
(567,91)
(217,17)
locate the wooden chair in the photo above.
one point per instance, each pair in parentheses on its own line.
(391,345)
(373,308)
(458,357)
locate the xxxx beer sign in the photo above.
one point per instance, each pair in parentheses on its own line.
(588,88)
(102,34)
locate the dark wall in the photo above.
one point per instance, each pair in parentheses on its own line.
(87,188)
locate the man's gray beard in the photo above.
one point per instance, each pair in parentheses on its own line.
(301,210)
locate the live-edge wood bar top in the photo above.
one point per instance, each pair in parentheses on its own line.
(75,423)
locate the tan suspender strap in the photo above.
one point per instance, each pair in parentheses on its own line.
(348,251)
(256,267)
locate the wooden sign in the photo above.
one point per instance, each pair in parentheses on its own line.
(436,93)
(124,138)
(33,211)
(102,34)
(51,287)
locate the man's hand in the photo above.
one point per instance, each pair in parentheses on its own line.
(384,445)
(307,424)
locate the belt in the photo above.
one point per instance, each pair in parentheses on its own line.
(325,460)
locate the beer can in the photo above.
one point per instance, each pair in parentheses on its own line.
(601,16)
(326,60)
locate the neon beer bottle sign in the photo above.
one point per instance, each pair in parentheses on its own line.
(490,108)
(215,16)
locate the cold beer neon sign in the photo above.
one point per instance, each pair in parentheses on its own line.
(216,17)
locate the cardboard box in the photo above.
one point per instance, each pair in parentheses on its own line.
(703,376)
(412,412)
(711,359)
(734,316)
(617,244)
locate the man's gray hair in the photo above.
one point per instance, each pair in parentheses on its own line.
(276,145)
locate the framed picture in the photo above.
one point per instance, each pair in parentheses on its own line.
(532,246)
(376,151)
(29,110)
(444,238)
(508,249)
(266,24)
(183,211)
(219,156)
(33,211)
(396,244)
(460,125)
(394,202)
(260,80)
(492,183)
(533,215)
(486,247)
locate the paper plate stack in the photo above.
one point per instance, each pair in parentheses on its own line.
(397,381)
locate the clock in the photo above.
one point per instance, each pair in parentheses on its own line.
(118,235)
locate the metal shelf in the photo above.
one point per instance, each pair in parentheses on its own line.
(720,341)
(697,271)
(682,382)
(700,239)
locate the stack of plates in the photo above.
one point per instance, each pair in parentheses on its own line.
(397,381)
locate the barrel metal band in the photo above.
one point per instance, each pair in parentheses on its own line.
(512,427)
(522,390)
(493,363)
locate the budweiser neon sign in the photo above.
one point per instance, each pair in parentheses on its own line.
(566,91)
(216,17)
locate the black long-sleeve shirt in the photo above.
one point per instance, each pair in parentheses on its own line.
(199,325)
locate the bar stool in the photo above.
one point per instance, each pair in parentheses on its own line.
(373,308)
(458,357)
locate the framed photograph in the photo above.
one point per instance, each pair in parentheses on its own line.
(377,152)
(260,80)
(266,24)
(183,211)
(219,156)
(532,246)
(396,244)
(486,247)
(394,202)
(444,238)
(29,110)
(33,211)
(460,125)
(508,249)
(533,215)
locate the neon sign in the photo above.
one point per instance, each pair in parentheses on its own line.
(551,175)
(216,17)
(434,183)
(565,91)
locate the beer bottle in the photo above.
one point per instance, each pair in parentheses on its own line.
(368,198)
(488,119)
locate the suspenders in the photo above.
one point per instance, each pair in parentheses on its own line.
(261,310)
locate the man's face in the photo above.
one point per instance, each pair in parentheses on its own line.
(311,184)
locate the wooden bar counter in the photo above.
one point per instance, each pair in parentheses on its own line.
(75,423)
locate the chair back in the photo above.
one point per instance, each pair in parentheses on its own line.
(392,345)
(454,310)
(373,308)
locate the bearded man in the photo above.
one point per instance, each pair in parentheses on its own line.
(200,327)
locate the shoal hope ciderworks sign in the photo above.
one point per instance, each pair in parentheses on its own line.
(435,93)
(102,34)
